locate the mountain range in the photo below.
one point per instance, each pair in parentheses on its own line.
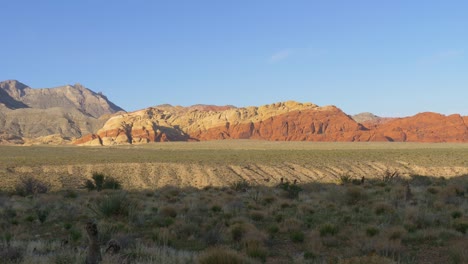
(77,115)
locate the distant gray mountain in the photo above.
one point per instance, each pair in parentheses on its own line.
(69,96)
(365,117)
(67,111)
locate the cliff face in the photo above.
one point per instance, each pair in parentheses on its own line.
(284,121)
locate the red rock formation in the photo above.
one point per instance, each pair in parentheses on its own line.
(330,124)
(426,127)
(289,121)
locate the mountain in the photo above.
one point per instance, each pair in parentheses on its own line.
(69,97)
(67,112)
(284,121)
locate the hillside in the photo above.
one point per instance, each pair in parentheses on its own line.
(67,112)
(284,121)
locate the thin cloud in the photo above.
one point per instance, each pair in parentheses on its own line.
(280,55)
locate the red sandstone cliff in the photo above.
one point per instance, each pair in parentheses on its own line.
(286,121)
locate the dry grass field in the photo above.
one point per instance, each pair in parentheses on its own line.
(224,202)
(219,163)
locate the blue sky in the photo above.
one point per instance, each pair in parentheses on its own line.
(392,58)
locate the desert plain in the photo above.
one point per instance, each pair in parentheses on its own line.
(236,201)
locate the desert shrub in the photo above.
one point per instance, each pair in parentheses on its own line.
(30,186)
(237,232)
(292,190)
(111,183)
(372,231)
(418,180)
(240,186)
(70,194)
(328,230)
(100,182)
(220,255)
(268,200)
(114,205)
(42,214)
(345,179)
(255,249)
(273,229)
(354,194)
(389,176)
(75,235)
(213,236)
(461,226)
(456,214)
(368,260)
(216,208)
(383,208)
(297,236)
(11,254)
(30,218)
(168,211)
(257,215)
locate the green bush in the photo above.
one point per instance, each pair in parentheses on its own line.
(114,205)
(461,226)
(237,232)
(328,230)
(292,190)
(297,236)
(372,231)
(100,182)
(42,214)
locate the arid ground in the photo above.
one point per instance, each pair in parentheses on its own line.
(220,163)
(224,202)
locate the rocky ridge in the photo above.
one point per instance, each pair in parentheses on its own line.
(284,121)
(29,116)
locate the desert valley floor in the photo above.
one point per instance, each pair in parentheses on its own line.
(220,163)
(225,202)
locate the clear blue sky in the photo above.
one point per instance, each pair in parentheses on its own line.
(392,58)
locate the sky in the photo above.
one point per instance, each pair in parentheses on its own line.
(391,58)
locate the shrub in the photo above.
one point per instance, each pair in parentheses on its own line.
(241,185)
(273,229)
(42,214)
(257,215)
(11,254)
(111,183)
(456,214)
(354,194)
(75,235)
(31,186)
(113,205)
(461,226)
(220,255)
(292,190)
(297,236)
(345,179)
(70,194)
(255,249)
(372,231)
(237,232)
(390,176)
(216,208)
(328,229)
(100,182)
(168,211)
